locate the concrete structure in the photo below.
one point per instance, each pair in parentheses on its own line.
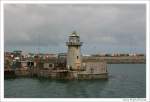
(74,60)
(94,70)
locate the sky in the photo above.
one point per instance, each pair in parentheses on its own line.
(103,28)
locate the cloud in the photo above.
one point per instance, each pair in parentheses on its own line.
(48,26)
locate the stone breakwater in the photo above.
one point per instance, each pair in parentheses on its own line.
(96,68)
(118,59)
(92,70)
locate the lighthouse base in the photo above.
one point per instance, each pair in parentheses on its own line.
(93,70)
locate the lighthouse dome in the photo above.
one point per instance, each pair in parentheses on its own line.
(74,33)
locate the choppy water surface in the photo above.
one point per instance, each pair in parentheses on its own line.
(125,80)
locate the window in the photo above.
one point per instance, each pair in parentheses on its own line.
(77,57)
(50,65)
(92,69)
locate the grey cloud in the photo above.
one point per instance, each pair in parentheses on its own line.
(98,25)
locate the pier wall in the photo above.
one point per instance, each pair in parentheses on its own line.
(117,59)
(23,72)
(93,70)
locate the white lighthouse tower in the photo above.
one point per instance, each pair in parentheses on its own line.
(74,60)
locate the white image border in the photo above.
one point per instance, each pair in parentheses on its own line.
(147,3)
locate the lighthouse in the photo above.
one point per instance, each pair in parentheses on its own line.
(74,60)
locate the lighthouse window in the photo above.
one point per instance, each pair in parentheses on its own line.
(77,57)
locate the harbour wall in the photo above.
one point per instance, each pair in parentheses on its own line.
(117,59)
(92,70)
(99,71)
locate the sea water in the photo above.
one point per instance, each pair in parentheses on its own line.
(125,81)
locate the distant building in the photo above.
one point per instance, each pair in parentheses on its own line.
(86,55)
(50,63)
(17,53)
